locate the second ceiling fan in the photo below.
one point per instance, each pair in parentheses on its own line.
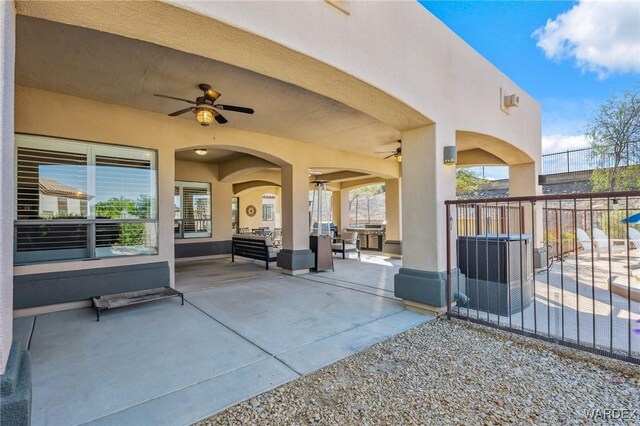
(205,108)
(397,153)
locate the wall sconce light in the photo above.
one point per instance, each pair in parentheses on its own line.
(200,151)
(450,155)
(511,101)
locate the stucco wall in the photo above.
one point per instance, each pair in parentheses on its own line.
(400,48)
(7,57)
(392,60)
(254,197)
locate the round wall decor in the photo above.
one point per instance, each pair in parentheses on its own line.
(251,211)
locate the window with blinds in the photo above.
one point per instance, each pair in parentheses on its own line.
(76,200)
(267,212)
(192,207)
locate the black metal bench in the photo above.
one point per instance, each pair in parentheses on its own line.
(118,300)
(254,247)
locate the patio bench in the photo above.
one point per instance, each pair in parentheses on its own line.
(118,300)
(255,247)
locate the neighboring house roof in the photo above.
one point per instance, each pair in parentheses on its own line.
(56,188)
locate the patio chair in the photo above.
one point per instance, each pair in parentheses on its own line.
(634,238)
(263,230)
(585,241)
(348,243)
(603,241)
(277,237)
(600,242)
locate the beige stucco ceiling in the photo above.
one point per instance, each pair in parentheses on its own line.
(119,70)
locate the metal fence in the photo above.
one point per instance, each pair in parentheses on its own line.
(579,160)
(562,268)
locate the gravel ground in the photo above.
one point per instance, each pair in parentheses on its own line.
(451,372)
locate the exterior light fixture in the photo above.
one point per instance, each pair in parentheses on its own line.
(399,158)
(204,116)
(200,151)
(450,155)
(511,101)
(508,100)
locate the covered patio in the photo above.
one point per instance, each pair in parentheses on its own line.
(93,101)
(249,331)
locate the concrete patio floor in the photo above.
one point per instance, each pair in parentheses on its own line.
(242,331)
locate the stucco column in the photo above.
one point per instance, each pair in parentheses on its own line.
(336,205)
(393,214)
(523,181)
(426,184)
(278,208)
(295,256)
(345,212)
(7,65)
(340,212)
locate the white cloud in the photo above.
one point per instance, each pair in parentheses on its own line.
(559,143)
(602,36)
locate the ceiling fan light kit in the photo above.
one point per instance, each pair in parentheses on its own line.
(205,109)
(204,116)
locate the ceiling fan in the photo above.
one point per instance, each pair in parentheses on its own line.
(205,106)
(397,153)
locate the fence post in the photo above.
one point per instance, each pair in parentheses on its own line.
(448,225)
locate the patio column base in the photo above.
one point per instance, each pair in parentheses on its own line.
(426,288)
(393,248)
(15,400)
(295,262)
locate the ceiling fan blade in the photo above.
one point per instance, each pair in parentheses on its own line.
(235,108)
(182,111)
(385,152)
(389,156)
(220,119)
(175,99)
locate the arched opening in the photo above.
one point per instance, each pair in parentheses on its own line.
(221,191)
(485,163)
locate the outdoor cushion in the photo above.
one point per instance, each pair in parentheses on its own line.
(273,251)
(338,246)
(349,236)
(264,238)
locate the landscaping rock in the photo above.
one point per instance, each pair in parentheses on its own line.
(451,372)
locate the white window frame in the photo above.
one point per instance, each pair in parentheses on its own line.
(180,184)
(270,216)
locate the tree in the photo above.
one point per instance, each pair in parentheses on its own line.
(467,182)
(614,136)
(125,234)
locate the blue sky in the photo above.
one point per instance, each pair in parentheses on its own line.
(569,55)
